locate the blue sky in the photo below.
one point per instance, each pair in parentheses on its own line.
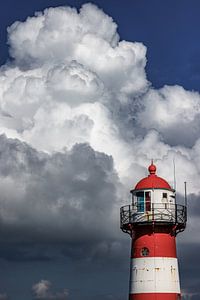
(86,101)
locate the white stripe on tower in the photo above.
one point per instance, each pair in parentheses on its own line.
(154,275)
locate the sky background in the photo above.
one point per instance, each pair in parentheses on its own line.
(87,97)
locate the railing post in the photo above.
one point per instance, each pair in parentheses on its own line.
(185,214)
(176,213)
(121,217)
(153,211)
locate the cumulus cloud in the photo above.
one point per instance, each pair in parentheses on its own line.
(89,37)
(72,81)
(61,29)
(42,290)
(75,75)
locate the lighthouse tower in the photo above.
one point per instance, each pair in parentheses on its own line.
(153,220)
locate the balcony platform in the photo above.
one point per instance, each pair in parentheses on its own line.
(162,214)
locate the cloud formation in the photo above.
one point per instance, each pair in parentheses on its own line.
(42,290)
(45,197)
(73,81)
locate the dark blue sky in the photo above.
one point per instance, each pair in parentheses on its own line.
(169,29)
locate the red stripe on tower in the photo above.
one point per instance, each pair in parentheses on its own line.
(153,296)
(153,221)
(165,243)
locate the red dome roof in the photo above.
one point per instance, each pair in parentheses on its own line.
(152,181)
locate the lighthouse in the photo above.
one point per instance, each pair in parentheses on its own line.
(153,220)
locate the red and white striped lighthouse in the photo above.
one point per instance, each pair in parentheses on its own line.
(153,221)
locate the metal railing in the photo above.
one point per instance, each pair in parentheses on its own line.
(162,213)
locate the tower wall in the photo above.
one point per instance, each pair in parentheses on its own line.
(154,268)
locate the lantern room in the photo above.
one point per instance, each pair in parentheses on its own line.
(153,201)
(153,193)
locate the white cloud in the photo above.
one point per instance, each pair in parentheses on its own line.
(74,84)
(61,35)
(42,290)
(174,112)
(61,29)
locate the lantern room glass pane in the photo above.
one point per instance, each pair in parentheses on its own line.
(148,201)
(140,201)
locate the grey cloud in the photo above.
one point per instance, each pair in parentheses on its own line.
(47,197)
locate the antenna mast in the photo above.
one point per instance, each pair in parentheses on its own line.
(174,174)
(185,184)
